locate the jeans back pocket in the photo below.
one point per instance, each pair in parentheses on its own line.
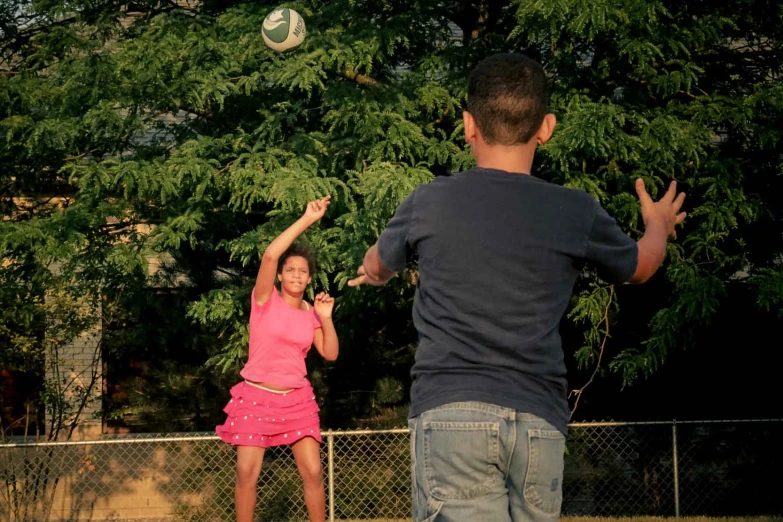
(461,459)
(544,477)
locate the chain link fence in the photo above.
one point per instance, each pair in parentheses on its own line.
(612,469)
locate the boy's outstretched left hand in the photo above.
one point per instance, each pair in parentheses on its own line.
(666,209)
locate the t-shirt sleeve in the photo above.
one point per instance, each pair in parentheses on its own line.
(255,307)
(611,250)
(393,243)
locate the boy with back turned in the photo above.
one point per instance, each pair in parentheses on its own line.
(499,253)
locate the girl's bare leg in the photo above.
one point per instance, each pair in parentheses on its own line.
(307,453)
(249,460)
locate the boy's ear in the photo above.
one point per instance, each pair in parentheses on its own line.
(469,123)
(546,129)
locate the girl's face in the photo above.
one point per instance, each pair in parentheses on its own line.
(295,275)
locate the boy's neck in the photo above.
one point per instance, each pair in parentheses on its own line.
(517,159)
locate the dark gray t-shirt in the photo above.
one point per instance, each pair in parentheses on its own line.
(498,257)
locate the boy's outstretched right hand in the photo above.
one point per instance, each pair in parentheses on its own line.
(667,209)
(316,209)
(364,279)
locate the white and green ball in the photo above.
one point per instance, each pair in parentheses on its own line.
(283,30)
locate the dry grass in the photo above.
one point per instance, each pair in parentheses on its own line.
(631,519)
(672,519)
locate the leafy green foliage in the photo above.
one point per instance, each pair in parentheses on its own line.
(170,132)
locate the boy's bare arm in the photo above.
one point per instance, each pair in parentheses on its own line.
(660,218)
(372,271)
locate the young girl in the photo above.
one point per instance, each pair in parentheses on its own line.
(275,404)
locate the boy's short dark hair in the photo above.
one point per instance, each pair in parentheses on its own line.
(508,96)
(297,250)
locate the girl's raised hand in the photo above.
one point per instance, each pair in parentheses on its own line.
(316,209)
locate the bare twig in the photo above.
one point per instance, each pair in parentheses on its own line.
(361,79)
(605,320)
(228,166)
(444,115)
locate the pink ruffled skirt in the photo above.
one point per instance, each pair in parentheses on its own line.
(258,417)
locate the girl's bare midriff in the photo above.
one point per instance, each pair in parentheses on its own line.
(271,386)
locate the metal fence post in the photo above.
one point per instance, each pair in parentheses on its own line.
(676,471)
(330,467)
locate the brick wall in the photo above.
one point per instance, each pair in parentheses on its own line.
(78,369)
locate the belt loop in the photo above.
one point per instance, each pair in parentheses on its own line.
(512,427)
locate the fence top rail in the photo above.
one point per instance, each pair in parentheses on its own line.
(601,424)
(147,438)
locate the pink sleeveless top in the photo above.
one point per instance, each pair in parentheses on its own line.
(280,337)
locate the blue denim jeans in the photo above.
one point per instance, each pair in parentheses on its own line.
(477,462)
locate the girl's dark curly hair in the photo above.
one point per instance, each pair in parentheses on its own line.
(297,250)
